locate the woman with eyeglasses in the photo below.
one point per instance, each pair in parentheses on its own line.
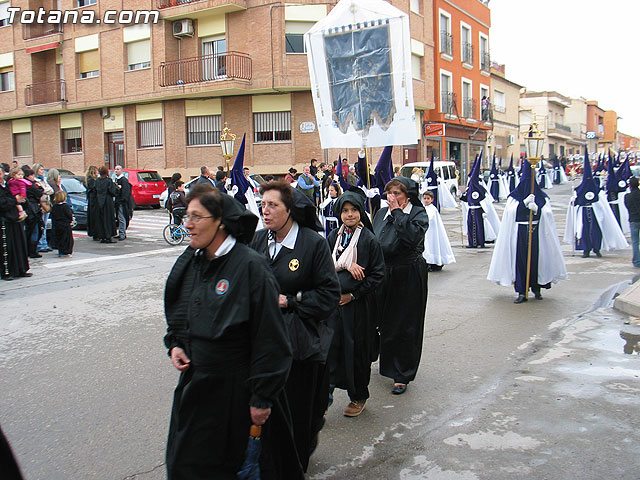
(400,229)
(227,337)
(309,292)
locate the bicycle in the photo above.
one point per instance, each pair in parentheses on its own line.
(175,234)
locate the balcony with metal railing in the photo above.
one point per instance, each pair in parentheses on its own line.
(37,30)
(223,5)
(469,108)
(562,127)
(206,68)
(40,93)
(446,43)
(448,103)
(467,53)
(485,62)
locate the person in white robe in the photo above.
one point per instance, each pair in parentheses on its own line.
(437,248)
(510,256)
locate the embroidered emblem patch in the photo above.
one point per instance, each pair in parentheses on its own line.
(622,184)
(222,286)
(475,195)
(589,195)
(294,264)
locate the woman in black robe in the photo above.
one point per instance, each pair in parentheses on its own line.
(359,262)
(13,245)
(309,293)
(93,213)
(400,228)
(105,192)
(227,337)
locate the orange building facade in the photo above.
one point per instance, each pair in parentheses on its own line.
(462,80)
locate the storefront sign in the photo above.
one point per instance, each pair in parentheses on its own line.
(434,130)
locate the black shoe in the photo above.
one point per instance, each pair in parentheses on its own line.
(538,295)
(585,254)
(26,274)
(399,388)
(35,255)
(8,278)
(520,299)
(121,238)
(598,254)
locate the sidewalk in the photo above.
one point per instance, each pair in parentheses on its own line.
(629,300)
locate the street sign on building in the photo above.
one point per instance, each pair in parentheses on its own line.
(434,130)
(591,134)
(307,127)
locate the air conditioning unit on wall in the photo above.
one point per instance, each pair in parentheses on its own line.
(511,139)
(183,28)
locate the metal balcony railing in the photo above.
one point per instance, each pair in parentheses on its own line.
(469,108)
(45,92)
(467,53)
(36,30)
(560,126)
(448,103)
(173,3)
(485,62)
(446,43)
(206,68)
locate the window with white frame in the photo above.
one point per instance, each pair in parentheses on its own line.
(71,140)
(294,36)
(85,3)
(446,94)
(466,47)
(415,6)
(272,127)
(7,79)
(485,59)
(214,63)
(499,101)
(467,99)
(89,64)
(204,130)
(139,54)
(150,133)
(4,13)
(22,144)
(446,39)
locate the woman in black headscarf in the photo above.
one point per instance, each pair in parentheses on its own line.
(400,228)
(359,262)
(309,293)
(106,190)
(227,337)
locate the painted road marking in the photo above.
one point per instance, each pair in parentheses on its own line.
(108,258)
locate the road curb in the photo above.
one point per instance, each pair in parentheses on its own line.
(629,300)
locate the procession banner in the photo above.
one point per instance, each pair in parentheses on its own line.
(360,67)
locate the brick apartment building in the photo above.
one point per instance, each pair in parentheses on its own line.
(462,78)
(158,95)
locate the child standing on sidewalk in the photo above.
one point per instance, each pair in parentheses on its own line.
(62,218)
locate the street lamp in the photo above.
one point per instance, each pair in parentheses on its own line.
(534,142)
(227,141)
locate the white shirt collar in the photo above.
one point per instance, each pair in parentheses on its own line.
(226,246)
(118,177)
(406,209)
(289,241)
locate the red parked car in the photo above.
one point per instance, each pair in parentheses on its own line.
(146,186)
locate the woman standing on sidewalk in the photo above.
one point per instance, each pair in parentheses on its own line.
(105,192)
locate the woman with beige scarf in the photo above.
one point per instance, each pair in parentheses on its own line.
(359,263)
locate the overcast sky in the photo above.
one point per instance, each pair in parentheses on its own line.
(579,48)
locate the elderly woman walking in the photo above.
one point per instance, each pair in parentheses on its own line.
(227,338)
(401,228)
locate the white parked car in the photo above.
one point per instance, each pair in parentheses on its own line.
(446,171)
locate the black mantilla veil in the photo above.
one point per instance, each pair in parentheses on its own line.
(413,190)
(304,212)
(238,221)
(355,197)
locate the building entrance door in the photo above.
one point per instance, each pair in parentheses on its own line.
(115,149)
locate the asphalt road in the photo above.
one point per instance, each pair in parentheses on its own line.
(538,390)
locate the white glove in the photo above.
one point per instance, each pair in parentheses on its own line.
(529,200)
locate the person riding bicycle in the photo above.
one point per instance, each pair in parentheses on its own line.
(177,203)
